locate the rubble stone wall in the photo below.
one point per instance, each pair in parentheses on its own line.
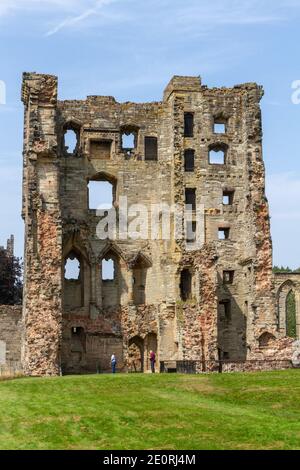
(10,334)
(74,324)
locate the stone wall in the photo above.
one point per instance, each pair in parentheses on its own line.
(75,324)
(10,334)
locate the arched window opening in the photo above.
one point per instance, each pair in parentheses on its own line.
(135,360)
(108,269)
(185,284)
(217,154)
(70,140)
(291,329)
(265,340)
(100,194)
(78,339)
(128,141)
(73,281)
(72,268)
(135,357)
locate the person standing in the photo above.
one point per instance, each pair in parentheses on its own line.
(152,361)
(113,362)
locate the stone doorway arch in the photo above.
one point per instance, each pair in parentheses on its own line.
(136,354)
(150,344)
(288,311)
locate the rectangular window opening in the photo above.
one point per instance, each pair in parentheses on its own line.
(219,127)
(108,270)
(191,229)
(228,277)
(188,124)
(100,149)
(225,310)
(190,197)
(228,198)
(100,194)
(151,148)
(189,160)
(223,233)
(216,157)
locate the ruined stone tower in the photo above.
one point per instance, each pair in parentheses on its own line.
(184,299)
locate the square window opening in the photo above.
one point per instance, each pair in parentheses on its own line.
(223,233)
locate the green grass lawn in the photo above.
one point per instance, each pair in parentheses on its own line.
(167,411)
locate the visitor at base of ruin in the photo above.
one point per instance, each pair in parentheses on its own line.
(152,361)
(113,362)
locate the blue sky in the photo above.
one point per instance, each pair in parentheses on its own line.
(130,49)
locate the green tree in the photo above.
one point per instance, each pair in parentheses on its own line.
(10,279)
(291,315)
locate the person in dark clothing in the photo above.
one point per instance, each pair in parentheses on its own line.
(152,361)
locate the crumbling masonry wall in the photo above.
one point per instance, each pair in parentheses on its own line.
(202,301)
(10,334)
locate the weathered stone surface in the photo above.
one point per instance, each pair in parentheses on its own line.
(10,334)
(74,325)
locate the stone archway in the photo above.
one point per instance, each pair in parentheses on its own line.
(150,344)
(288,309)
(135,360)
(290,314)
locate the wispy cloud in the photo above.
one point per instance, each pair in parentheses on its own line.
(192,14)
(72,21)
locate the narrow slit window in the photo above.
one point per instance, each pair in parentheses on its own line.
(228,277)
(225,310)
(190,197)
(189,160)
(191,229)
(185,284)
(188,124)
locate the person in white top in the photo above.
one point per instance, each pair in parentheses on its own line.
(113,362)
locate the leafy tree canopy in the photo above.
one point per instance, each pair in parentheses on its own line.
(10,279)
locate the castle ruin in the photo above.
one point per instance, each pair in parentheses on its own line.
(200,297)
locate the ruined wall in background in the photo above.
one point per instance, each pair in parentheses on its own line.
(10,334)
